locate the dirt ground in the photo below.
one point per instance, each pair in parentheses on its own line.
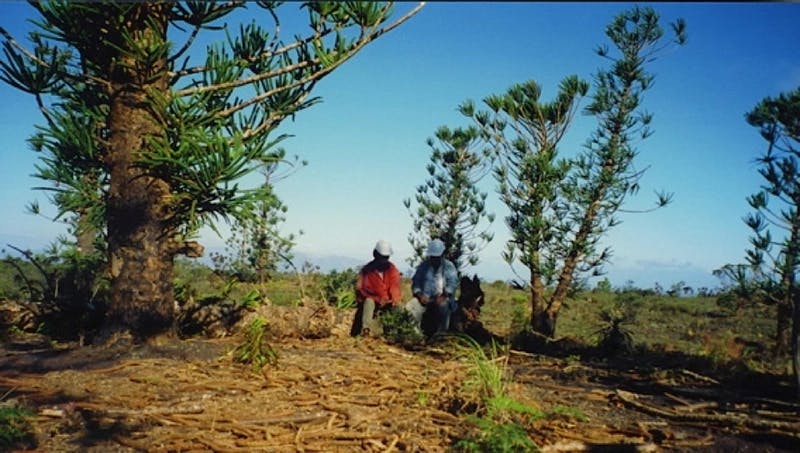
(361,394)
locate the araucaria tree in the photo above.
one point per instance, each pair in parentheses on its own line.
(776,259)
(449,205)
(174,135)
(256,246)
(560,207)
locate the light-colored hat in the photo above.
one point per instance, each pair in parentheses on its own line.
(383,248)
(435,247)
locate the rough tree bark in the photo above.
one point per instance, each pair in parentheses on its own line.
(140,257)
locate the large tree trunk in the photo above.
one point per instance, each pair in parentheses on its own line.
(140,235)
(541,321)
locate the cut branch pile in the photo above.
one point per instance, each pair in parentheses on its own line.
(745,416)
(337,394)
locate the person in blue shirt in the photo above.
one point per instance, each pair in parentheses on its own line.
(434,286)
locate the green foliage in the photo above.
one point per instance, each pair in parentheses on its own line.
(499,405)
(497,430)
(66,289)
(422,398)
(400,328)
(520,319)
(213,135)
(777,120)
(256,246)
(12,286)
(485,378)
(615,336)
(283,290)
(775,222)
(529,169)
(338,288)
(345,300)
(140,127)
(560,207)
(194,280)
(252,299)
(604,286)
(662,324)
(255,350)
(14,426)
(744,286)
(449,205)
(496,437)
(569,412)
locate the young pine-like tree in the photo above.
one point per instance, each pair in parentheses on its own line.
(560,207)
(777,210)
(450,206)
(256,245)
(175,134)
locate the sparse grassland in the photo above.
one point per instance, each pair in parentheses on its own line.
(692,325)
(695,326)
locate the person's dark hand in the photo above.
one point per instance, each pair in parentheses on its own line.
(442,299)
(423,299)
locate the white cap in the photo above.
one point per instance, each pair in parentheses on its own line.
(383,248)
(435,247)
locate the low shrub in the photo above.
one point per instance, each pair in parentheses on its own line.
(15,429)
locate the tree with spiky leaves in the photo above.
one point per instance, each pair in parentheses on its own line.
(450,206)
(69,147)
(256,246)
(173,140)
(776,259)
(560,208)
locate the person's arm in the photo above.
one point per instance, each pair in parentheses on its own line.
(418,284)
(360,296)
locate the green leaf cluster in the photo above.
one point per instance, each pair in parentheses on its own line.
(778,121)
(338,288)
(400,328)
(14,425)
(214,119)
(67,289)
(496,438)
(774,255)
(449,205)
(561,206)
(256,246)
(256,350)
(497,423)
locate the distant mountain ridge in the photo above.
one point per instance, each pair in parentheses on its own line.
(327,263)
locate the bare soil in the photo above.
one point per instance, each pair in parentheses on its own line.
(346,394)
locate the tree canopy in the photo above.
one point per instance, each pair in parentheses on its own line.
(559,207)
(151,144)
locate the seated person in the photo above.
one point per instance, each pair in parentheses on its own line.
(433,285)
(377,289)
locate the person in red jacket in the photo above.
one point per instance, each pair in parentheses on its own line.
(377,289)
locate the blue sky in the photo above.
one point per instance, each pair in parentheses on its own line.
(365,143)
